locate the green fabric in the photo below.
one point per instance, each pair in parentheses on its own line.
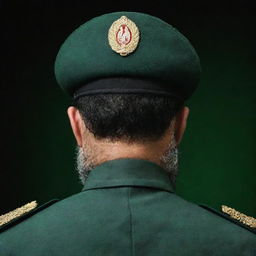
(126,208)
(163,54)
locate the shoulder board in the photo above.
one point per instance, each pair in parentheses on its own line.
(230,218)
(18,215)
(246,220)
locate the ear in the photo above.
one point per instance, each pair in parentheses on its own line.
(76,124)
(181,123)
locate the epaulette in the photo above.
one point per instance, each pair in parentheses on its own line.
(20,214)
(241,219)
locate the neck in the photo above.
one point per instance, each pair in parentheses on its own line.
(103,151)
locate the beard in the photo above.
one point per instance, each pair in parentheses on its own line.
(169,162)
(83,164)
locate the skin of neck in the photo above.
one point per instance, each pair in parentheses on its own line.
(101,150)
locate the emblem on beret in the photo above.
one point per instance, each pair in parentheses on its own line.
(123,36)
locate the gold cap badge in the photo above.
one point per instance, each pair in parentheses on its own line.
(123,36)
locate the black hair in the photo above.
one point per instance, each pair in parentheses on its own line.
(127,117)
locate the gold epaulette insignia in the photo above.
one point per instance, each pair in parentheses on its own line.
(6,218)
(247,220)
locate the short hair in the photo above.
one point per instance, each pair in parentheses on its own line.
(127,117)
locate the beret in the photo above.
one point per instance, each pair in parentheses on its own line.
(127,52)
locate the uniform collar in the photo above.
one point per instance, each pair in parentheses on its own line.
(128,172)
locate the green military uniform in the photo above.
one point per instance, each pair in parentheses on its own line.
(128,206)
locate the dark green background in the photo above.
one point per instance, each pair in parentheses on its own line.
(217,155)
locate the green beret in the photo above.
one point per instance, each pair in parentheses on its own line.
(127,52)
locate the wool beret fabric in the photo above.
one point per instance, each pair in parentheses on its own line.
(164,61)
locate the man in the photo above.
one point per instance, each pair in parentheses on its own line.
(129,75)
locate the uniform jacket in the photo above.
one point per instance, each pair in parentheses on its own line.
(127,207)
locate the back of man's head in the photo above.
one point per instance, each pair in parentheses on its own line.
(129,74)
(127,117)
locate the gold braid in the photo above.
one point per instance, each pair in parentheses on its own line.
(5,218)
(247,220)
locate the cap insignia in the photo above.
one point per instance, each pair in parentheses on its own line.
(123,36)
(247,220)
